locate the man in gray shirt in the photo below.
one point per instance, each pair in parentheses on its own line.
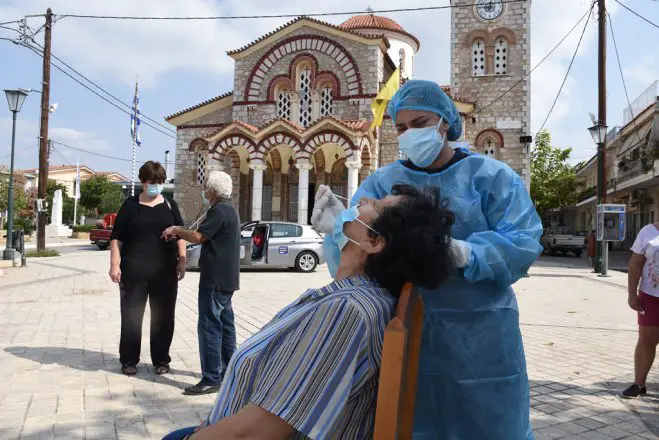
(219,264)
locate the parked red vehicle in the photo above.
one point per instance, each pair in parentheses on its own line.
(101,235)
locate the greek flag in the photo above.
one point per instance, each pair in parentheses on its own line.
(135,119)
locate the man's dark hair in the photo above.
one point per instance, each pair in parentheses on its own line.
(152,172)
(417,234)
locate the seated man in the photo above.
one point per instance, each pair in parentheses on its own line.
(258,241)
(312,372)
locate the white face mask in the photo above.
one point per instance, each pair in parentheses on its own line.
(422,145)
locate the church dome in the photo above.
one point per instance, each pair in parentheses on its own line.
(370,22)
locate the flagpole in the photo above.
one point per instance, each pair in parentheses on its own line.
(132,180)
(75,196)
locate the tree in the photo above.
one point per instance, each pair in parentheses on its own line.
(20,197)
(94,189)
(554,182)
(111,202)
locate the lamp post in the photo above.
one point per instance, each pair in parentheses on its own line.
(598,132)
(15,99)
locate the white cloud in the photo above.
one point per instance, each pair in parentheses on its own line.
(642,73)
(27,132)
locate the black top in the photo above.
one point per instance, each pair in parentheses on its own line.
(219,262)
(139,227)
(457,157)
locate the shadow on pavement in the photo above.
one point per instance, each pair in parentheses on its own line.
(556,402)
(89,360)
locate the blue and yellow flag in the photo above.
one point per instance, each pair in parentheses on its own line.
(379,104)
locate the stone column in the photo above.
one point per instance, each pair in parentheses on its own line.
(276,195)
(353,178)
(257,189)
(303,192)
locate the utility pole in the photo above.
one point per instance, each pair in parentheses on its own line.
(43,135)
(601,250)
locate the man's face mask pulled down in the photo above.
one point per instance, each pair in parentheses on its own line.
(347,216)
(422,145)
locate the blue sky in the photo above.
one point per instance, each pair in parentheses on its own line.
(182,63)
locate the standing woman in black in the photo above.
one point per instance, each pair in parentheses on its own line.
(146,266)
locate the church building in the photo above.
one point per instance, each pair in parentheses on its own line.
(299,113)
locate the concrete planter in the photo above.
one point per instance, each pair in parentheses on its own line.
(80,235)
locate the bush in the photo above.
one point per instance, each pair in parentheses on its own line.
(45,253)
(24,223)
(83,228)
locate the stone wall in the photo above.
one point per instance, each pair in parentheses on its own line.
(511,114)
(187,192)
(388,143)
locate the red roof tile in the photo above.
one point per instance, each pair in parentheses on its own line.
(376,22)
(290,23)
(196,106)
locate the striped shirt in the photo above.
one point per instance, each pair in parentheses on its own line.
(316,364)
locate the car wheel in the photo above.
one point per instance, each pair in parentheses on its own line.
(306,262)
(552,252)
(577,254)
(102,246)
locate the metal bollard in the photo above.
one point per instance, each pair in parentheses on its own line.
(23,257)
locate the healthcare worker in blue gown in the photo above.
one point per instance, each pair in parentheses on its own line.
(473,383)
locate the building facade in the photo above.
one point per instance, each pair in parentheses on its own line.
(632,168)
(299,114)
(66,175)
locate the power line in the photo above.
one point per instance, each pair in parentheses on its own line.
(497,99)
(91,152)
(637,14)
(96,93)
(105,91)
(61,156)
(574,56)
(316,14)
(622,76)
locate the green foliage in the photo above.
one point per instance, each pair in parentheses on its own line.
(554,182)
(111,202)
(67,202)
(83,228)
(25,223)
(93,190)
(587,193)
(45,253)
(20,197)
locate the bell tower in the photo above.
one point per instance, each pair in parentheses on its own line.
(490,53)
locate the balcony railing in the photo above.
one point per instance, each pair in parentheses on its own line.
(645,100)
(587,193)
(632,169)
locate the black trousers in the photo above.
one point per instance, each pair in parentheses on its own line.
(161,292)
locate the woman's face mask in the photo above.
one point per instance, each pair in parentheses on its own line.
(422,145)
(347,216)
(154,189)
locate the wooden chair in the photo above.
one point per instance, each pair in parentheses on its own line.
(394,414)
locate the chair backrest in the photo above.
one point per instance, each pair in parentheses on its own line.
(394,416)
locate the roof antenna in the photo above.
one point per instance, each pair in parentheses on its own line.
(369,10)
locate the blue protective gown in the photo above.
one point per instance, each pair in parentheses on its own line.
(473,383)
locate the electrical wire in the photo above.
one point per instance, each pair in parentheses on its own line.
(96,93)
(497,99)
(574,56)
(622,76)
(130,107)
(61,156)
(317,14)
(92,152)
(637,14)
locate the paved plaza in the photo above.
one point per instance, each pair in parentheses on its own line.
(59,330)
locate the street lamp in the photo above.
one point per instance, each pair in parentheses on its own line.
(15,99)
(598,133)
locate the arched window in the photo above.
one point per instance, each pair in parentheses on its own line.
(326,100)
(501,56)
(478,62)
(304,88)
(283,103)
(490,148)
(201,167)
(489,142)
